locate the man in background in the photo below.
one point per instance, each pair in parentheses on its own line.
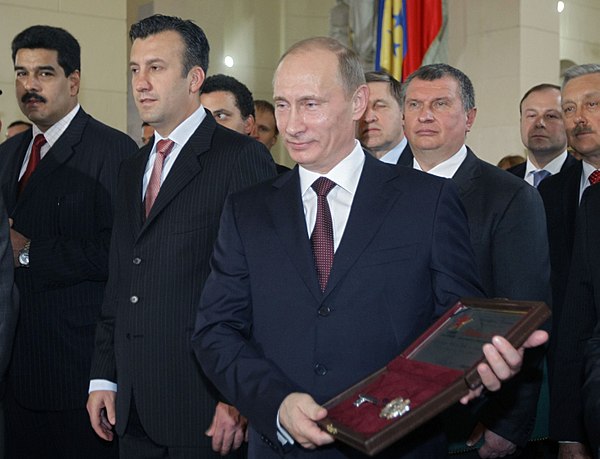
(58,180)
(147,133)
(380,129)
(265,126)
(230,102)
(507,232)
(16,127)
(543,134)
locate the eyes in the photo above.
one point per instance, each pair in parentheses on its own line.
(42,74)
(436,105)
(590,106)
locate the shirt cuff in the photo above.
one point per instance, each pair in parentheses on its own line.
(282,435)
(102,384)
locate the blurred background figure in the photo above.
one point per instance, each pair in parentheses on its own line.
(147,133)
(265,126)
(16,127)
(510,161)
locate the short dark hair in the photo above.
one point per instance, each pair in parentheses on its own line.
(349,66)
(384,77)
(536,88)
(195,44)
(266,106)
(241,93)
(579,70)
(435,72)
(53,38)
(19,123)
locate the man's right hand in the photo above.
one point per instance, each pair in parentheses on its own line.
(297,415)
(101,409)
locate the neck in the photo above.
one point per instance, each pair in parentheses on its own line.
(541,159)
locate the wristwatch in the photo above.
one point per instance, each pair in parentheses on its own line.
(24,255)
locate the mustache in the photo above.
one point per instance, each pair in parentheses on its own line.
(32,96)
(580,129)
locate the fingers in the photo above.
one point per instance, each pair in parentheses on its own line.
(101,410)
(476,434)
(227,429)
(537,338)
(297,414)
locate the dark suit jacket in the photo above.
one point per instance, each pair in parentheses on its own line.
(157,270)
(583,303)
(519,169)
(508,234)
(264,329)
(66,210)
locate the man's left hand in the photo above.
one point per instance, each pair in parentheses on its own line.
(493,444)
(228,429)
(503,361)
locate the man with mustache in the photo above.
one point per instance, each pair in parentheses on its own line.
(573,302)
(58,180)
(543,134)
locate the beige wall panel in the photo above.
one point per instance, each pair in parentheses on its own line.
(539,14)
(486,15)
(492,143)
(114,9)
(108,107)
(50,5)
(540,58)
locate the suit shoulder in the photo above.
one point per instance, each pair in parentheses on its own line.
(107,133)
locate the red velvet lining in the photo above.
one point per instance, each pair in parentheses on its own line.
(405,378)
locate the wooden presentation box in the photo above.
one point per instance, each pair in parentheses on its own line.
(432,374)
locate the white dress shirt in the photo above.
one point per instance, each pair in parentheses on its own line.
(448,168)
(553,167)
(585,175)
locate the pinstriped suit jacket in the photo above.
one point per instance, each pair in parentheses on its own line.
(157,271)
(66,210)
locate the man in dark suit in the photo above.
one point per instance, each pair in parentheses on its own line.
(380,129)
(543,134)
(507,232)
(283,327)
(61,212)
(166,220)
(571,325)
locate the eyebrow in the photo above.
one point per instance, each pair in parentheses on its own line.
(41,67)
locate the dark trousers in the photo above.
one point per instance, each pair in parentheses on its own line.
(52,434)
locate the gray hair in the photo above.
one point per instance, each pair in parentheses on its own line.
(579,70)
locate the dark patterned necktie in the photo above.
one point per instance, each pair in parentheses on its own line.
(594,177)
(34,159)
(163,148)
(322,235)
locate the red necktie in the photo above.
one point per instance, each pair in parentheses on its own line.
(163,148)
(594,177)
(34,159)
(322,235)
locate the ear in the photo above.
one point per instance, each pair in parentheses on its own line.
(360,99)
(74,81)
(249,124)
(196,77)
(471,114)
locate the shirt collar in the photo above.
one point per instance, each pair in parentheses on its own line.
(392,156)
(553,166)
(345,174)
(181,134)
(54,132)
(447,168)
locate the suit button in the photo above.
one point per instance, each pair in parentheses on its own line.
(128,336)
(320,370)
(324,311)
(134,299)
(137,261)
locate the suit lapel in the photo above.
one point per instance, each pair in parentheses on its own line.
(467,175)
(132,182)
(406,157)
(186,166)
(287,212)
(371,204)
(60,152)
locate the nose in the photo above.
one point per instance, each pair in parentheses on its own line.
(580,116)
(370,115)
(425,115)
(293,122)
(139,81)
(539,122)
(31,83)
